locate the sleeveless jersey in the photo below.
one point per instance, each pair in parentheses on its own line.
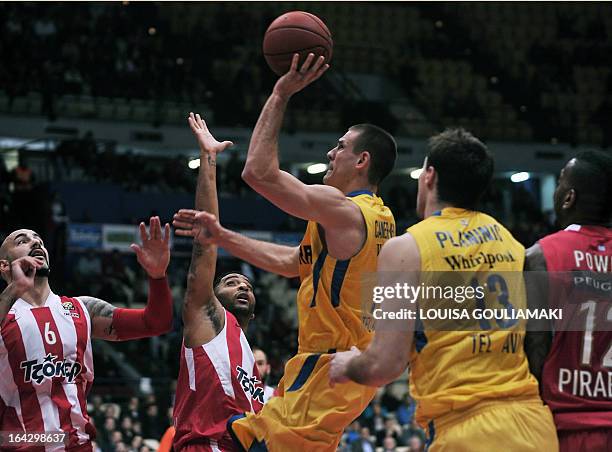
(216,381)
(329,298)
(47,370)
(577,374)
(454,370)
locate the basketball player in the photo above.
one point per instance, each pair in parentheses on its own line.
(577,374)
(46,364)
(473,391)
(218,377)
(263,366)
(347,225)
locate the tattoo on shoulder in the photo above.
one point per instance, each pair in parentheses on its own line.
(213,314)
(97,307)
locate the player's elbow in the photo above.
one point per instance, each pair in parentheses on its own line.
(257,177)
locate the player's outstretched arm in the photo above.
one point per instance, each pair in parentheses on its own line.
(202,312)
(538,338)
(280,259)
(20,274)
(388,354)
(119,324)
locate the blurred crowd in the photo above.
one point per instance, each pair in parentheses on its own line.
(544,75)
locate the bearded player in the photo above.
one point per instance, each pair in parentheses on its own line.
(46,363)
(576,378)
(218,376)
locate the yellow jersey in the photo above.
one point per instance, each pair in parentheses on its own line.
(454,370)
(329,298)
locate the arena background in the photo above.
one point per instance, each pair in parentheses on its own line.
(94,99)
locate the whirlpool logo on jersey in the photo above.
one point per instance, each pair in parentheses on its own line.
(50,367)
(249,385)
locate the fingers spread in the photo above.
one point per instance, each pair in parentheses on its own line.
(143,232)
(166,233)
(307,63)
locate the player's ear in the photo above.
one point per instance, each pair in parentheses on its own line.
(5,267)
(430,177)
(570,199)
(364,158)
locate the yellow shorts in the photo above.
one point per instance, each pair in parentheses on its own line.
(519,425)
(307,414)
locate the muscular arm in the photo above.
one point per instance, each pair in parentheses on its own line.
(280,259)
(326,205)
(119,324)
(202,313)
(101,315)
(388,354)
(538,338)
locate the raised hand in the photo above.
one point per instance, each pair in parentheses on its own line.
(22,273)
(154,253)
(295,80)
(203,227)
(206,141)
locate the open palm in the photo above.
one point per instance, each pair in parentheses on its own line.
(154,253)
(206,141)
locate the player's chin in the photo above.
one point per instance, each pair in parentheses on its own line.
(240,309)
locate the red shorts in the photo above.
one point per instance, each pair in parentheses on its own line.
(585,440)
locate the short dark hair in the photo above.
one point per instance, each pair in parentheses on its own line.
(382,148)
(591,177)
(464,166)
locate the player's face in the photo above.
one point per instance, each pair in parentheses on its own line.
(235,293)
(25,242)
(262,363)
(342,161)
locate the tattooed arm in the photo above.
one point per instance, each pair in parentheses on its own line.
(202,313)
(101,315)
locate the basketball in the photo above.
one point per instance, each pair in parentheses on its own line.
(295,32)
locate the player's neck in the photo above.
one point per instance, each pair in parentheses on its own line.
(584,220)
(359,185)
(38,294)
(435,206)
(244,324)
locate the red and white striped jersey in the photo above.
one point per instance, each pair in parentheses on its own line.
(47,370)
(216,381)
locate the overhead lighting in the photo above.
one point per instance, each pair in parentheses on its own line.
(416,173)
(193,164)
(519,177)
(316,168)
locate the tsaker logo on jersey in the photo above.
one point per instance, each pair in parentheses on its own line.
(50,367)
(71,310)
(249,385)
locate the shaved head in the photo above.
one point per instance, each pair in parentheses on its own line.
(10,239)
(25,242)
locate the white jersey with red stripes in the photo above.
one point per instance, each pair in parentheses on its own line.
(46,371)
(216,380)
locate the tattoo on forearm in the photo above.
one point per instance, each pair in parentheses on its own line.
(211,160)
